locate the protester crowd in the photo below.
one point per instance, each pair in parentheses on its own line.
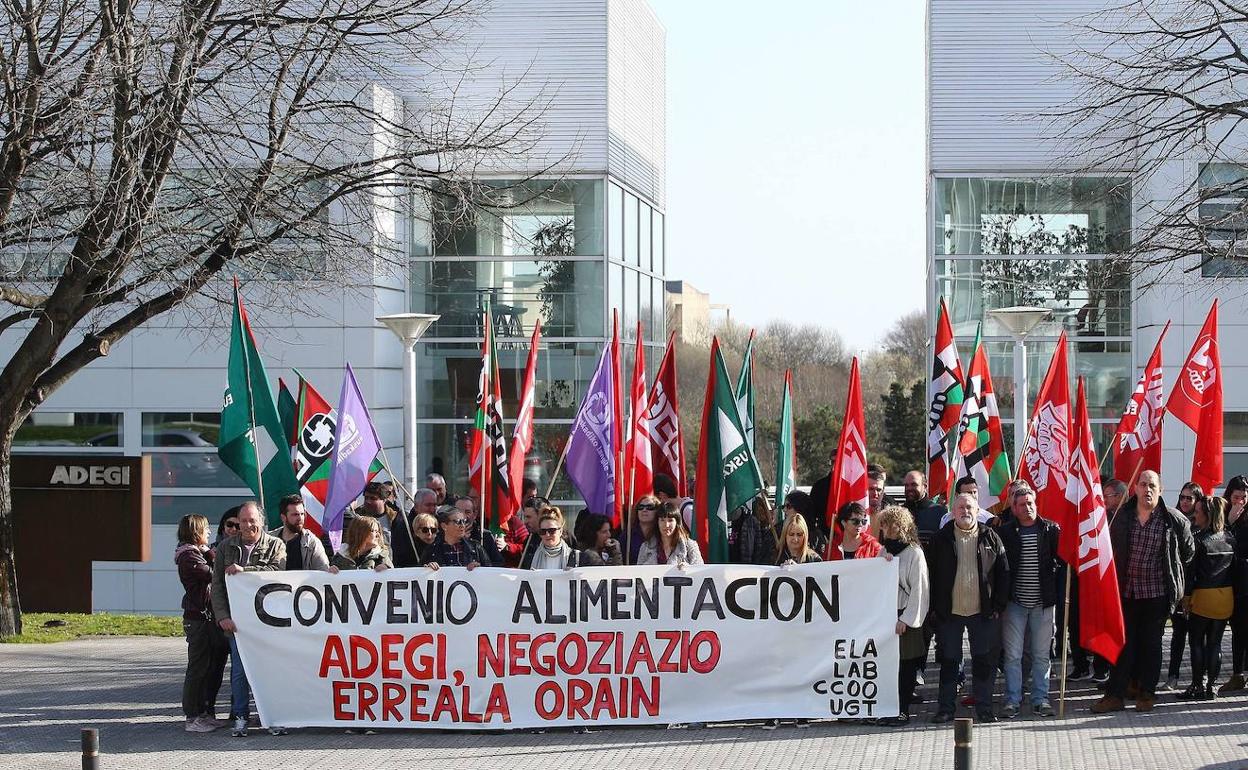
(992,578)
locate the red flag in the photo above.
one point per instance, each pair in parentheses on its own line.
(944,407)
(849,472)
(1196,401)
(1137,442)
(1085,545)
(1044,462)
(522,434)
(617,423)
(638,471)
(667,442)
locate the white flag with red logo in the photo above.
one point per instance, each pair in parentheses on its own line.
(1085,545)
(1045,460)
(667,443)
(638,469)
(522,436)
(1137,441)
(1196,401)
(849,471)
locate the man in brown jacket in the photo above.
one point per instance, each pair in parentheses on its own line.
(251,550)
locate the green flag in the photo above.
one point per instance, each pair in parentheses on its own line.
(251,436)
(745,391)
(286,408)
(786,462)
(728,474)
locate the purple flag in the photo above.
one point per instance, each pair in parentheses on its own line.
(355,446)
(591,450)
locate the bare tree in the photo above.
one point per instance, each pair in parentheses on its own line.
(1158,81)
(151,146)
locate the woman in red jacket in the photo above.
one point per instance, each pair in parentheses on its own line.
(855,541)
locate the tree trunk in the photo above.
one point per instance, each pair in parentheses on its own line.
(10,605)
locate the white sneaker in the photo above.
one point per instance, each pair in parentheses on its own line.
(1172,683)
(240,727)
(198,725)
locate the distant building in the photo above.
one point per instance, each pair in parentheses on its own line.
(691,314)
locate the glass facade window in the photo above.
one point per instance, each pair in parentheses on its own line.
(1089,297)
(631,208)
(181,430)
(659,258)
(658,308)
(448,372)
(629,317)
(1224,214)
(1235,429)
(1105,366)
(645,257)
(441,448)
(69,429)
(193,470)
(535,218)
(565,295)
(169,509)
(615,222)
(1071,215)
(644,312)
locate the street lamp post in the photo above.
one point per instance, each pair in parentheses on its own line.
(409,327)
(1021,321)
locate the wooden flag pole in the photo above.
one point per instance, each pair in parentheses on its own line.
(1061,700)
(558,467)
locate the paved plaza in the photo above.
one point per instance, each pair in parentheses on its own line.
(130,689)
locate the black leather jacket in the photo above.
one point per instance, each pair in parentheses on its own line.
(1212,564)
(1178,544)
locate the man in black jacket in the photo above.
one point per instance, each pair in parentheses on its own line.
(1152,544)
(970,586)
(1031,549)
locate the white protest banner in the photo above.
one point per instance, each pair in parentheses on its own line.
(500,648)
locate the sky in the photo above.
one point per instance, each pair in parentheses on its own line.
(795,159)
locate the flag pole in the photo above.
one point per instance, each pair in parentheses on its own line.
(1061,699)
(558,467)
(1123,500)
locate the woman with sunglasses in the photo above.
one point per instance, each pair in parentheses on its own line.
(645,515)
(794,546)
(554,551)
(227,526)
(453,547)
(424,532)
(1188,495)
(671,544)
(855,540)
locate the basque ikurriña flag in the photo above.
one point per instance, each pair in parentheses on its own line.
(980,448)
(522,434)
(727,476)
(590,459)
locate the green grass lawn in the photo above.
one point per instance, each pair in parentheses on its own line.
(76,625)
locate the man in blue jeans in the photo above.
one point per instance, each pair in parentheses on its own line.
(251,550)
(1031,548)
(970,586)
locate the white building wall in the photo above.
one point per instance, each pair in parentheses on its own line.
(990,68)
(636,106)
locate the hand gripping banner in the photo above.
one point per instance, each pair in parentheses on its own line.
(502,649)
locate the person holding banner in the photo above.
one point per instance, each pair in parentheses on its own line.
(362,547)
(645,525)
(593,537)
(554,551)
(452,548)
(794,546)
(251,550)
(672,544)
(970,588)
(901,541)
(754,539)
(424,532)
(798,502)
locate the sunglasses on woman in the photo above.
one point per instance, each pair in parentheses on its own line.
(231,525)
(548,530)
(647,507)
(458,522)
(427,530)
(857,522)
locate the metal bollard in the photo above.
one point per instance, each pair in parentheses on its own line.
(90,748)
(962,744)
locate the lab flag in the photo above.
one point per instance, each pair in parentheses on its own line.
(590,459)
(727,476)
(980,448)
(251,436)
(355,446)
(1137,441)
(1044,462)
(1084,545)
(1196,401)
(944,404)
